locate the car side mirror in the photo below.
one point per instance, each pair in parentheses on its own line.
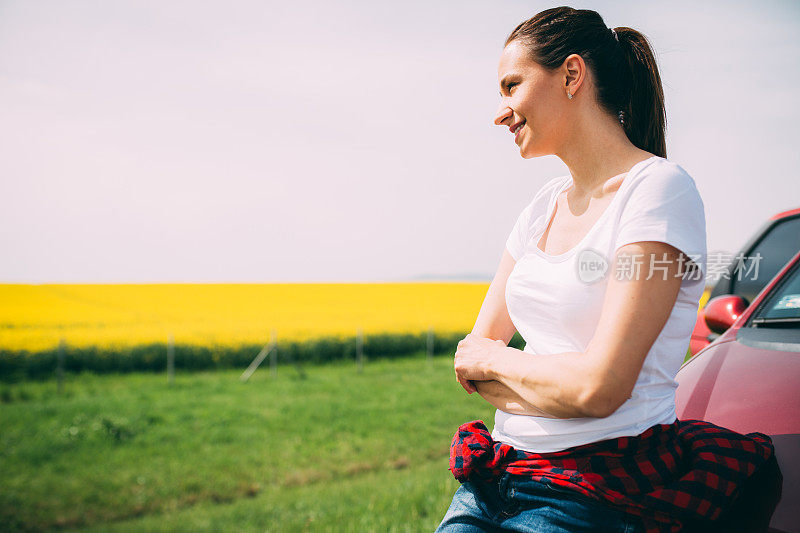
(722,311)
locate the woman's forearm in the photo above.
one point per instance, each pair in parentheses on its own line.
(559,384)
(505,399)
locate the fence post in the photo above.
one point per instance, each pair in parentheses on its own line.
(273,356)
(360,350)
(60,365)
(430,343)
(267,349)
(170,359)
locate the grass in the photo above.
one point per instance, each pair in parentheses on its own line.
(335,450)
(412,499)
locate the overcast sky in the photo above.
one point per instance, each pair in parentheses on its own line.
(237,141)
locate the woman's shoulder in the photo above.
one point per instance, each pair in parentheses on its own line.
(661,193)
(663,176)
(546,191)
(537,207)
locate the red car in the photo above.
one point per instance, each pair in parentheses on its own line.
(748,379)
(775,242)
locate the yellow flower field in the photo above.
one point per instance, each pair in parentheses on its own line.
(36,317)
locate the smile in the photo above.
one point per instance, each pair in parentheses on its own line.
(518,131)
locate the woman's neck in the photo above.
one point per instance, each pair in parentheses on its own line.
(596,153)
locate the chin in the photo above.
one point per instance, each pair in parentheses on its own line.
(528,153)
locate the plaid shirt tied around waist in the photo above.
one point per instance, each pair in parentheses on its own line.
(669,474)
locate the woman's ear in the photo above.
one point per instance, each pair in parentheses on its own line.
(574,73)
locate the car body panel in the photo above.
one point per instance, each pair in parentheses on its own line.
(748,380)
(750,390)
(742,388)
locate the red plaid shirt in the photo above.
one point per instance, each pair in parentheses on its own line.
(668,475)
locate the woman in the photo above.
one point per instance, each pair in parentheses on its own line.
(602,275)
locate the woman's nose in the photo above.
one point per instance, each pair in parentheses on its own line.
(502,114)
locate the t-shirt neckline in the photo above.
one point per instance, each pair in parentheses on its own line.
(552,205)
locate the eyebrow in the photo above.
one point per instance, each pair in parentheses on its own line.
(505,81)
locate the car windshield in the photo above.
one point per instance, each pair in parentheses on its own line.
(783,305)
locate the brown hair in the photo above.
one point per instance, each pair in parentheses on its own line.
(624,68)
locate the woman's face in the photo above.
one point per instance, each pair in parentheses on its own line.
(533,102)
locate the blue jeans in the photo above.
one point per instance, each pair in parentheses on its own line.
(517,503)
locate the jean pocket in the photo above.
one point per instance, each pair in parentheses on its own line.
(569,493)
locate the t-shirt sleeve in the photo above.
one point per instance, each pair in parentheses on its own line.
(666,207)
(518,238)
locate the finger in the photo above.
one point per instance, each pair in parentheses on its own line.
(470,387)
(466,384)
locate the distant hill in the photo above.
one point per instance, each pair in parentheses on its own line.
(469,276)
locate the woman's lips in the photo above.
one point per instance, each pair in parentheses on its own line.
(519,132)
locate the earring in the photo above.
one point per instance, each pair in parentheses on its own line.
(569,95)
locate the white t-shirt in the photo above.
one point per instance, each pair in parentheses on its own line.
(555,300)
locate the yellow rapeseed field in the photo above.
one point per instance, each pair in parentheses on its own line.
(36,317)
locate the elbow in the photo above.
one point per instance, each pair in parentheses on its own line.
(599,402)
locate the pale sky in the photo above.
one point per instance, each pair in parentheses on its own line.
(252,141)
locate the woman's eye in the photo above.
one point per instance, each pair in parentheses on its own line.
(511,86)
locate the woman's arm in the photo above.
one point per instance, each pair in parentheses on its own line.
(505,399)
(493,322)
(596,382)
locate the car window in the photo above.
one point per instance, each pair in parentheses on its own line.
(766,259)
(784,302)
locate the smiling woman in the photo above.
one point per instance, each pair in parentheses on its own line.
(602,275)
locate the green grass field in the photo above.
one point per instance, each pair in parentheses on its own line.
(333,451)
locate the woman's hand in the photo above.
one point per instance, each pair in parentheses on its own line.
(472,360)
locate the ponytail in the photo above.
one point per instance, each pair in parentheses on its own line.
(645,119)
